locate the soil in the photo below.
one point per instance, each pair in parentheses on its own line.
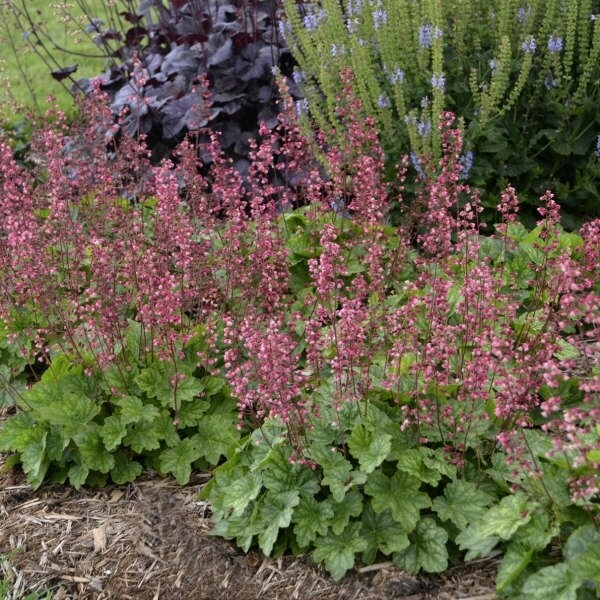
(151,540)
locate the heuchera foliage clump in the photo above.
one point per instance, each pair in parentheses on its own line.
(173,52)
(423,380)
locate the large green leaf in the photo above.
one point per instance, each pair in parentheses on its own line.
(369,447)
(216,433)
(33,457)
(427,549)
(350,506)
(311,517)
(16,432)
(280,475)
(400,495)
(554,582)
(514,562)
(133,409)
(500,521)
(125,469)
(337,552)
(382,534)
(178,460)
(238,491)
(463,502)
(338,472)
(582,551)
(275,513)
(424,464)
(94,454)
(112,431)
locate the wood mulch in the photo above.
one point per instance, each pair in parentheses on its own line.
(151,540)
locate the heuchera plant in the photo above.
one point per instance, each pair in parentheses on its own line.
(422,392)
(162,65)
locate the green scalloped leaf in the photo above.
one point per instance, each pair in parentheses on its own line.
(178,460)
(554,582)
(16,432)
(382,534)
(311,518)
(275,513)
(400,495)
(370,448)
(133,409)
(125,469)
(78,475)
(337,552)
(427,549)
(112,431)
(463,502)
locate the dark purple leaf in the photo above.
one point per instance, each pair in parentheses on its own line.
(60,74)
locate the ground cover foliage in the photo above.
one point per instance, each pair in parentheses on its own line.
(421,392)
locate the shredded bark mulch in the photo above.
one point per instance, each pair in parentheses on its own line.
(151,540)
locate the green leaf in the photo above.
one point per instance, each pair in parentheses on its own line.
(582,551)
(166,431)
(156,384)
(93,453)
(190,414)
(16,432)
(112,432)
(279,475)
(71,410)
(188,389)
(500,521)
(338,473)
(400,495)
(554,582)
(216,433)
(382,534)
(178,460)
(133,410)
(33,457)
(142,436)
(462,503)
(425,465)
(370,448)
(239,491)
(125,469)
(427,549)
(350,506)
(275,513)
(77,475)
(311,517)
(515,561)
(337,552)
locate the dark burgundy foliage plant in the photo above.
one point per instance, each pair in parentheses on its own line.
(176,55)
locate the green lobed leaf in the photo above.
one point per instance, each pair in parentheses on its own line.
(279,475)
(69,409)
(338,473)
(554,582)
(125,469)
(500,521)
(463,502)
(156,384)
(424,464)
(369,447)
(78,475)
(427,549)
(133,409)
(400,495)
(337,552)
(94,455)
(34,461)
(178,460)
(112,432)
(275,513)
(16,432)
(237,491)
(191,414)
(514,562)
(350,506)
(382,534)
(142,436)
(311,517)
(216,433)
(582,552)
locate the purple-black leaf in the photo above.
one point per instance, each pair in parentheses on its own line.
(60,74)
